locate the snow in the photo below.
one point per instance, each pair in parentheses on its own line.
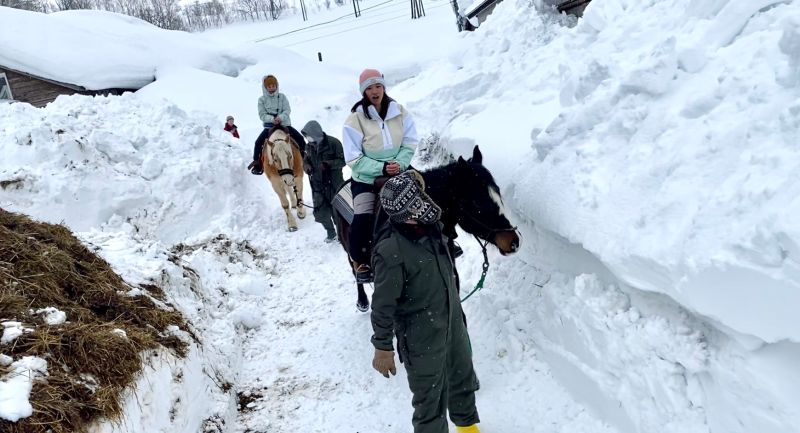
(15,387)
(12,330)
(100,50)
(647,153)
(52,315)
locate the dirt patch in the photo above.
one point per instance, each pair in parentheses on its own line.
(247,401)
(221,245)
(17,183)
(290,323)
(95,354)
(154,291)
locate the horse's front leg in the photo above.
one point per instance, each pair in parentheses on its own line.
(301,210)
(363,302)
(280,189)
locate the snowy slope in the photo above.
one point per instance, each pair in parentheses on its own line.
(648,159)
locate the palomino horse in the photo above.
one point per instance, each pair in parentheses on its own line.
(283,166)
(469,198)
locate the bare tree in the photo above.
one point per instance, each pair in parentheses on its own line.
(271,8)
(68,5)
(247,9)
(28,5)
(200,16)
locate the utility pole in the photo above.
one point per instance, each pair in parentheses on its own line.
(417,9)
(459,19)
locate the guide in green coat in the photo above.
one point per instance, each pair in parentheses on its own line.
(416,300)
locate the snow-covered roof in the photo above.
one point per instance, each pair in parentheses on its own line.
(96,49)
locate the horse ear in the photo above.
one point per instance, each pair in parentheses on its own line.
(477,157)
(461,160)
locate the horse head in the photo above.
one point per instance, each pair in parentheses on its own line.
(278,149)
(475,203)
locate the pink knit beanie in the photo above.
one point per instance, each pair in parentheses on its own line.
(369,77)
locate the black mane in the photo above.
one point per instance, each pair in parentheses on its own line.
(453,183)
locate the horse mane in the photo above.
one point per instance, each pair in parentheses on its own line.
(444,183)
(441,182)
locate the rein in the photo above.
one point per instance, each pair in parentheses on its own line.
(479,285)
(489,232)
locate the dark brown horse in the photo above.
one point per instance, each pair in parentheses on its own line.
(469,198)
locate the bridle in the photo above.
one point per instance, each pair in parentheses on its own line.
(285,171)
(490,232)
(281,171)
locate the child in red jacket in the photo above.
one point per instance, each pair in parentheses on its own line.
(231,127)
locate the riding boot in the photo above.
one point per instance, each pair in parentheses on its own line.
(361,247)
(361,238)
(258,168)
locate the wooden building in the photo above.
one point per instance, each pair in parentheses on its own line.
(478,12)
(37,91)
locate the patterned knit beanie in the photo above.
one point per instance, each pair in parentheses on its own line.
(270,80)
(403,198)
(369,77)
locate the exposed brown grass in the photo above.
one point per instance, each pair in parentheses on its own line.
(44,265)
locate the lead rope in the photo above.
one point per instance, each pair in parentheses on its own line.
(479,285)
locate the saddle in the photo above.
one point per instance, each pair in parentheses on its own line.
(343,199)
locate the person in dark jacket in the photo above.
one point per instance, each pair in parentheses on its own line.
(231,127)
(323,163)
(416,300)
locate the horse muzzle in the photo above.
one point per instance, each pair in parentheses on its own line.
(507,242)
(287,176)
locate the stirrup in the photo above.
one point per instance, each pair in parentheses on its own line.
(364,273)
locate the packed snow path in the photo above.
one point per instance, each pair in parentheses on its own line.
(310,359)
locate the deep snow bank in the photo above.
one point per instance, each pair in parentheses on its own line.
(150,187)
(90,162)
(158,227)
(678,151)
(663,161)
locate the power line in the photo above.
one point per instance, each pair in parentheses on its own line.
(319,24)
(403,15)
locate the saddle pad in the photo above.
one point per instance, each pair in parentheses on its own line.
(343,203)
